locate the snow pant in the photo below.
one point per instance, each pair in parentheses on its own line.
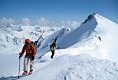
(26,61)
(53,52)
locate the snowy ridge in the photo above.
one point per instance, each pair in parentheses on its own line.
(96,33)
(88,52)
(82,32)
(66,66)
(45,44)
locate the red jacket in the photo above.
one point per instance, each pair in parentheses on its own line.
(30,50)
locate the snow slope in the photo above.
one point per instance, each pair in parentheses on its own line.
(45,44)
(95,32)
(66,66)
(85,53)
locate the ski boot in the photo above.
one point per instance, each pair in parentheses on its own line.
(24,73)
(30,73)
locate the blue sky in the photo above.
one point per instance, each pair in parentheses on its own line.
(58,9)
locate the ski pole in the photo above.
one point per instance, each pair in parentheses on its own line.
(19,69)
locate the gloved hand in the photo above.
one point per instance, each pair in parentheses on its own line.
(33,58)
(20,55)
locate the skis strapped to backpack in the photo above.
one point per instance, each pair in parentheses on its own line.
(39,38)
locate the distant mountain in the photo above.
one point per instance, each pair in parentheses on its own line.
(14,32)
(12,36)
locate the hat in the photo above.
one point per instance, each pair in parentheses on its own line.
(27,40)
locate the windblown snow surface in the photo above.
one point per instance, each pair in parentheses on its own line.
(87,53)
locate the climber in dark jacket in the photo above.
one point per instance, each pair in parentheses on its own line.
(53,48)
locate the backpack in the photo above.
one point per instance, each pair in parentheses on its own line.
(53,46)
(33,43)
(29,47)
